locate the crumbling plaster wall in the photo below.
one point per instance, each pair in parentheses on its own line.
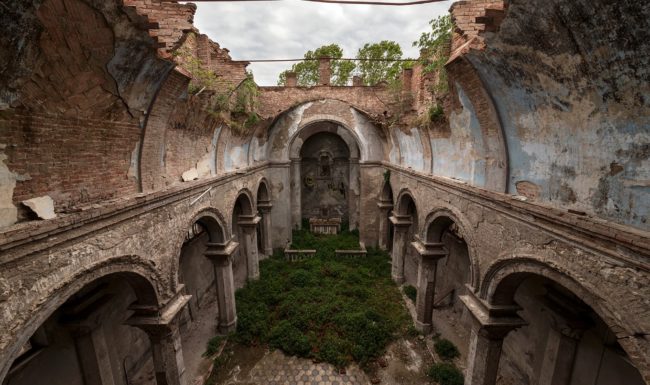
(37,277)
(77,78)
(496,235)
(571,84)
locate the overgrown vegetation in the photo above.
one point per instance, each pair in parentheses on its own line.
(411,292)
(446,349)
(446,373)
(325,245)
(435,44)
(326,308)
(235,105)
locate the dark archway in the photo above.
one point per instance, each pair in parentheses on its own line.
(264,206)
(405,222)
(565,341)
(385,206)
(85,340)
(244,229)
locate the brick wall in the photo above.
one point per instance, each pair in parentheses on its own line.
(72,160)
(168,21)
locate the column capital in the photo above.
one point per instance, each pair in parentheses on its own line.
(430,251)
(492,321)
(221,253)
(385,205)
(401,222)
(264,206)
(249,221)
(163,323)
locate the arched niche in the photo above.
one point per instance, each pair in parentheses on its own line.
(324,172)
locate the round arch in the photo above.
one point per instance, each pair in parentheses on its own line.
(137,272)
(402,203)
(245,199)
(440,219)
(311,128)
(263,191)
(504,277)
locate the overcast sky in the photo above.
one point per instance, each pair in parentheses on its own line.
(288,29)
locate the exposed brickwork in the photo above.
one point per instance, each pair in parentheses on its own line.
(72,160)
(169,21)
(471,19)
(373,100)
(153,147)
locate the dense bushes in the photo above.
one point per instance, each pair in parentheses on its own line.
(326,308)
(446,374)
(411,292)
(446,349)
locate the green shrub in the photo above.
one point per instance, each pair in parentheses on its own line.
(290,339)
(446,349)
(445,373)
(411,292)
(333,309)
(213,345)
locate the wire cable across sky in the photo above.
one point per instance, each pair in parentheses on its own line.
(351,2)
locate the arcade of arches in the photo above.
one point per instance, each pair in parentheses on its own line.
(129,214)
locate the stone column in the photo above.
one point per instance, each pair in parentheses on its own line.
(265,209)
(248,224)
(296,195)
(165,337)
(490,325)
(430,254)
(221,256)
(324,71)
(291,80)
(384,208)
(401,223)
(354,193)
(92,352)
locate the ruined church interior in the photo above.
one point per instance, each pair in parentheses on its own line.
(165,220)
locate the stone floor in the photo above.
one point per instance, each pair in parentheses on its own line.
(277,369)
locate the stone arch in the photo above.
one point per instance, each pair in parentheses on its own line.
(440,219)
(386,204)
(405,222)
(369,138)
(402,202)
(504,277)
(309,128)
(244,221)
(138,273)
(264,207)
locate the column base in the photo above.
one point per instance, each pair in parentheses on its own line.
(398,279)
(227,328)
(423,328)
(268,252)
(254,277)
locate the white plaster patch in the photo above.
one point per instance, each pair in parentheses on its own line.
(42,206)
(8,212)
(135,162)
(411,149)
(296,118)
(190,175)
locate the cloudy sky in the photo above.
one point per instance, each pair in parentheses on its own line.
(288,29)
